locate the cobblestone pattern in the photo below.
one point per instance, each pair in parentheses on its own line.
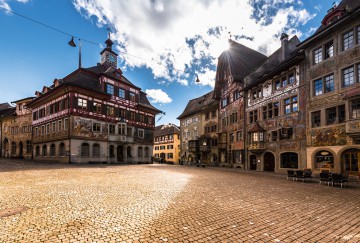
(164,203)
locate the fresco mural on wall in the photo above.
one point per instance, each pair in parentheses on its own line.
(328,137)
(83,127)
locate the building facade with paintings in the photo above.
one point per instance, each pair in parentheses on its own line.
(93,115)
(16,131)
(167,143)
(332,75)
(275,111)
(233,66)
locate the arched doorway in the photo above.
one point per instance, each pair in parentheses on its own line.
(120,153)
(252,162)
(350,161)
(6,147)
(21,148)
(269,162)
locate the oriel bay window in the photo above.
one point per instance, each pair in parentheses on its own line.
(355,108)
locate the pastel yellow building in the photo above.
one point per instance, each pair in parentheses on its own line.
(167,144)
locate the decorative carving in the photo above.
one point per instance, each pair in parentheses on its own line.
(328,137)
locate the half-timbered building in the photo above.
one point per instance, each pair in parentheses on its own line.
(93,115)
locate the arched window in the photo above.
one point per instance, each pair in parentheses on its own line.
(13,148)
(85,150)
(128,152)
(289,160)
(146,152)
(52,150)
(62,149)
(28,146)
(44,150)
(350,161)
(324,159)
(96,150)
(140,152)
(37,151)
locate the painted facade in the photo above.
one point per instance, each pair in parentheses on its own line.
(167,144)
(332,75)
(93,115)
(275,111)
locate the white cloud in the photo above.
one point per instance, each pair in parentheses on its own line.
(183,82)
(175,35)
(158,96)
(4,4)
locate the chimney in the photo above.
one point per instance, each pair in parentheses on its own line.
(284,46)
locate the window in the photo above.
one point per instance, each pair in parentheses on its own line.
(335,115)
(348,40)
(253,116)
(122,128)
(85,150)
(140,152)
(324,159)
(169,156)
(318,55)
(236,95)
(96,150)
(132,96)
(291,78)
(255,94)
(37,151)
(97,107)
(62,149)
(47,128)
(348,76)
(277,84)
(146,152)
(286,133)
(329,49)
(170,146)
(207,115)
(112,151)
(273,110)
(54,127)
(141,133)
(239,136)
(111,129)
(315,119)
(122,93)
(289,160)
(214,142)
(213,114)
(291,105)
(52,150)
(274,136)
(82,104)
(324,85)
(231,137)
(264,112)
(13,148)
(66,123)
(224,102)
(60,125)
(355,108)
(96,127)
(110,89)
(129,131)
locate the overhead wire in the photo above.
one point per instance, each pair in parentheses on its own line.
(85,40)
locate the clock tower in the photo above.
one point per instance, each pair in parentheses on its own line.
(108,56)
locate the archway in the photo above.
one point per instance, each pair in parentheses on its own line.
(269,162)
(350,161)
(252,162)
(120,153)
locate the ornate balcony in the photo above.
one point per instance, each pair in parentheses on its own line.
(257,147)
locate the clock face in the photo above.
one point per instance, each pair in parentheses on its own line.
(111,58)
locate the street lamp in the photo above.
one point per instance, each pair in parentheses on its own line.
(72,43)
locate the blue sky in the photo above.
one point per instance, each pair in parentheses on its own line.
(162,45)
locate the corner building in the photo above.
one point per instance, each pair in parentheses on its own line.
(93,115)
(167,143)
(332,75)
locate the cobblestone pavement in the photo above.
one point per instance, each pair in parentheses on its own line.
(164,203)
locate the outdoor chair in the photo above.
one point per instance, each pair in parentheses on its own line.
(300,175)
(291,174)
(340,179)
(308,174)
(325,177)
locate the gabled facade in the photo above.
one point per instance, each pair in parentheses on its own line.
(16,131)
(233,66)
(192,121)
(275,111)
(93,115)
(332,75)
(167,143)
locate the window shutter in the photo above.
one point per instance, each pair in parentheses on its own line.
(127,95)
(90,106)
(128,115)
(117,112)
(116,91)
(103,109)
(75,102)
